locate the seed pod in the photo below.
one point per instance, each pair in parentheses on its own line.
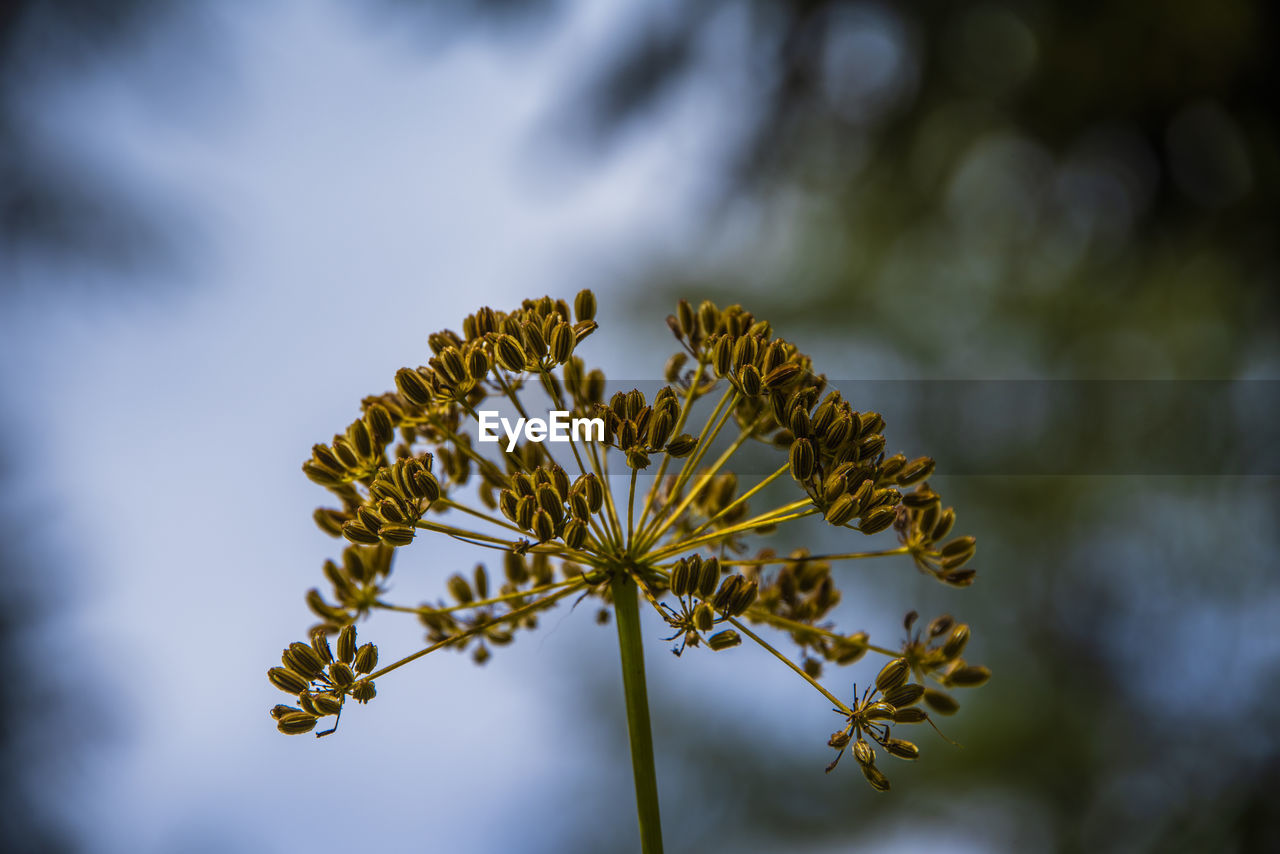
(708,317)
(681,578)
(574,534)
(912,715)
(863,494)
(969,677)
(345,452)
(327,704)
(584,305)
(380,427)
(743,598)
(959,546)
(959,577)
(358,533)
(341,674)
(287,680)
(578,506)
(549,501)
(870,447)
(347,644)
(634,404)
(745,350)
(363,691)
(850,649)
(478,363)
(722,356)
(296,723)
(369,518)
(671,371)
(703,617)
(834,485)
(876,778)
(956,642)
(728,590)
(627,435)
(366,659)
(397,535)
(724,640)
(301,658)
(425,485)
(525,508)
(509,353)
(782,375)
(863,753)
(879,711)
(681,446)
(902,749)
(841,510)
(522,484)
(749,380)
(459,589)
(915,471)
(893,674)
(904,695)
(686,319)
(543,527)
(838,432)
(708,577)
(593,491)
(920,498)
(877,520)
(392,511)
(660,428)
(560,480)
(280,710)
(452,365)
(535,340)
(329,521)
(413,386)
(562,343)
(323,609)
(890,466)
(940,701)
(802,459)
(308,703)
(940,625)
(320,643)
(514,567)
(838,740)
(946,519)
(798,421)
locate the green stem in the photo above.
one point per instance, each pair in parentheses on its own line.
(628,614)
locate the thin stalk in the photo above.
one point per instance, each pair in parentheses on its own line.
(685,409)
(805,676)
(766,561)
(632,653)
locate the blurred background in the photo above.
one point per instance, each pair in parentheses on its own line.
(1038,236)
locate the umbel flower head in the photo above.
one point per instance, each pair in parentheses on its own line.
(556,524)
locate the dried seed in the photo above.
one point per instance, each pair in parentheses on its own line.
(893,674)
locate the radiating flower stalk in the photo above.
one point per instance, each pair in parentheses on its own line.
(560,526)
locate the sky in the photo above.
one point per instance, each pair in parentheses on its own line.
(339,189)
(339,185)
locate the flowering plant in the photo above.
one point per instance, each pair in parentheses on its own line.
(563,526)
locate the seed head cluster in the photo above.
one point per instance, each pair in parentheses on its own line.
(657,502)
